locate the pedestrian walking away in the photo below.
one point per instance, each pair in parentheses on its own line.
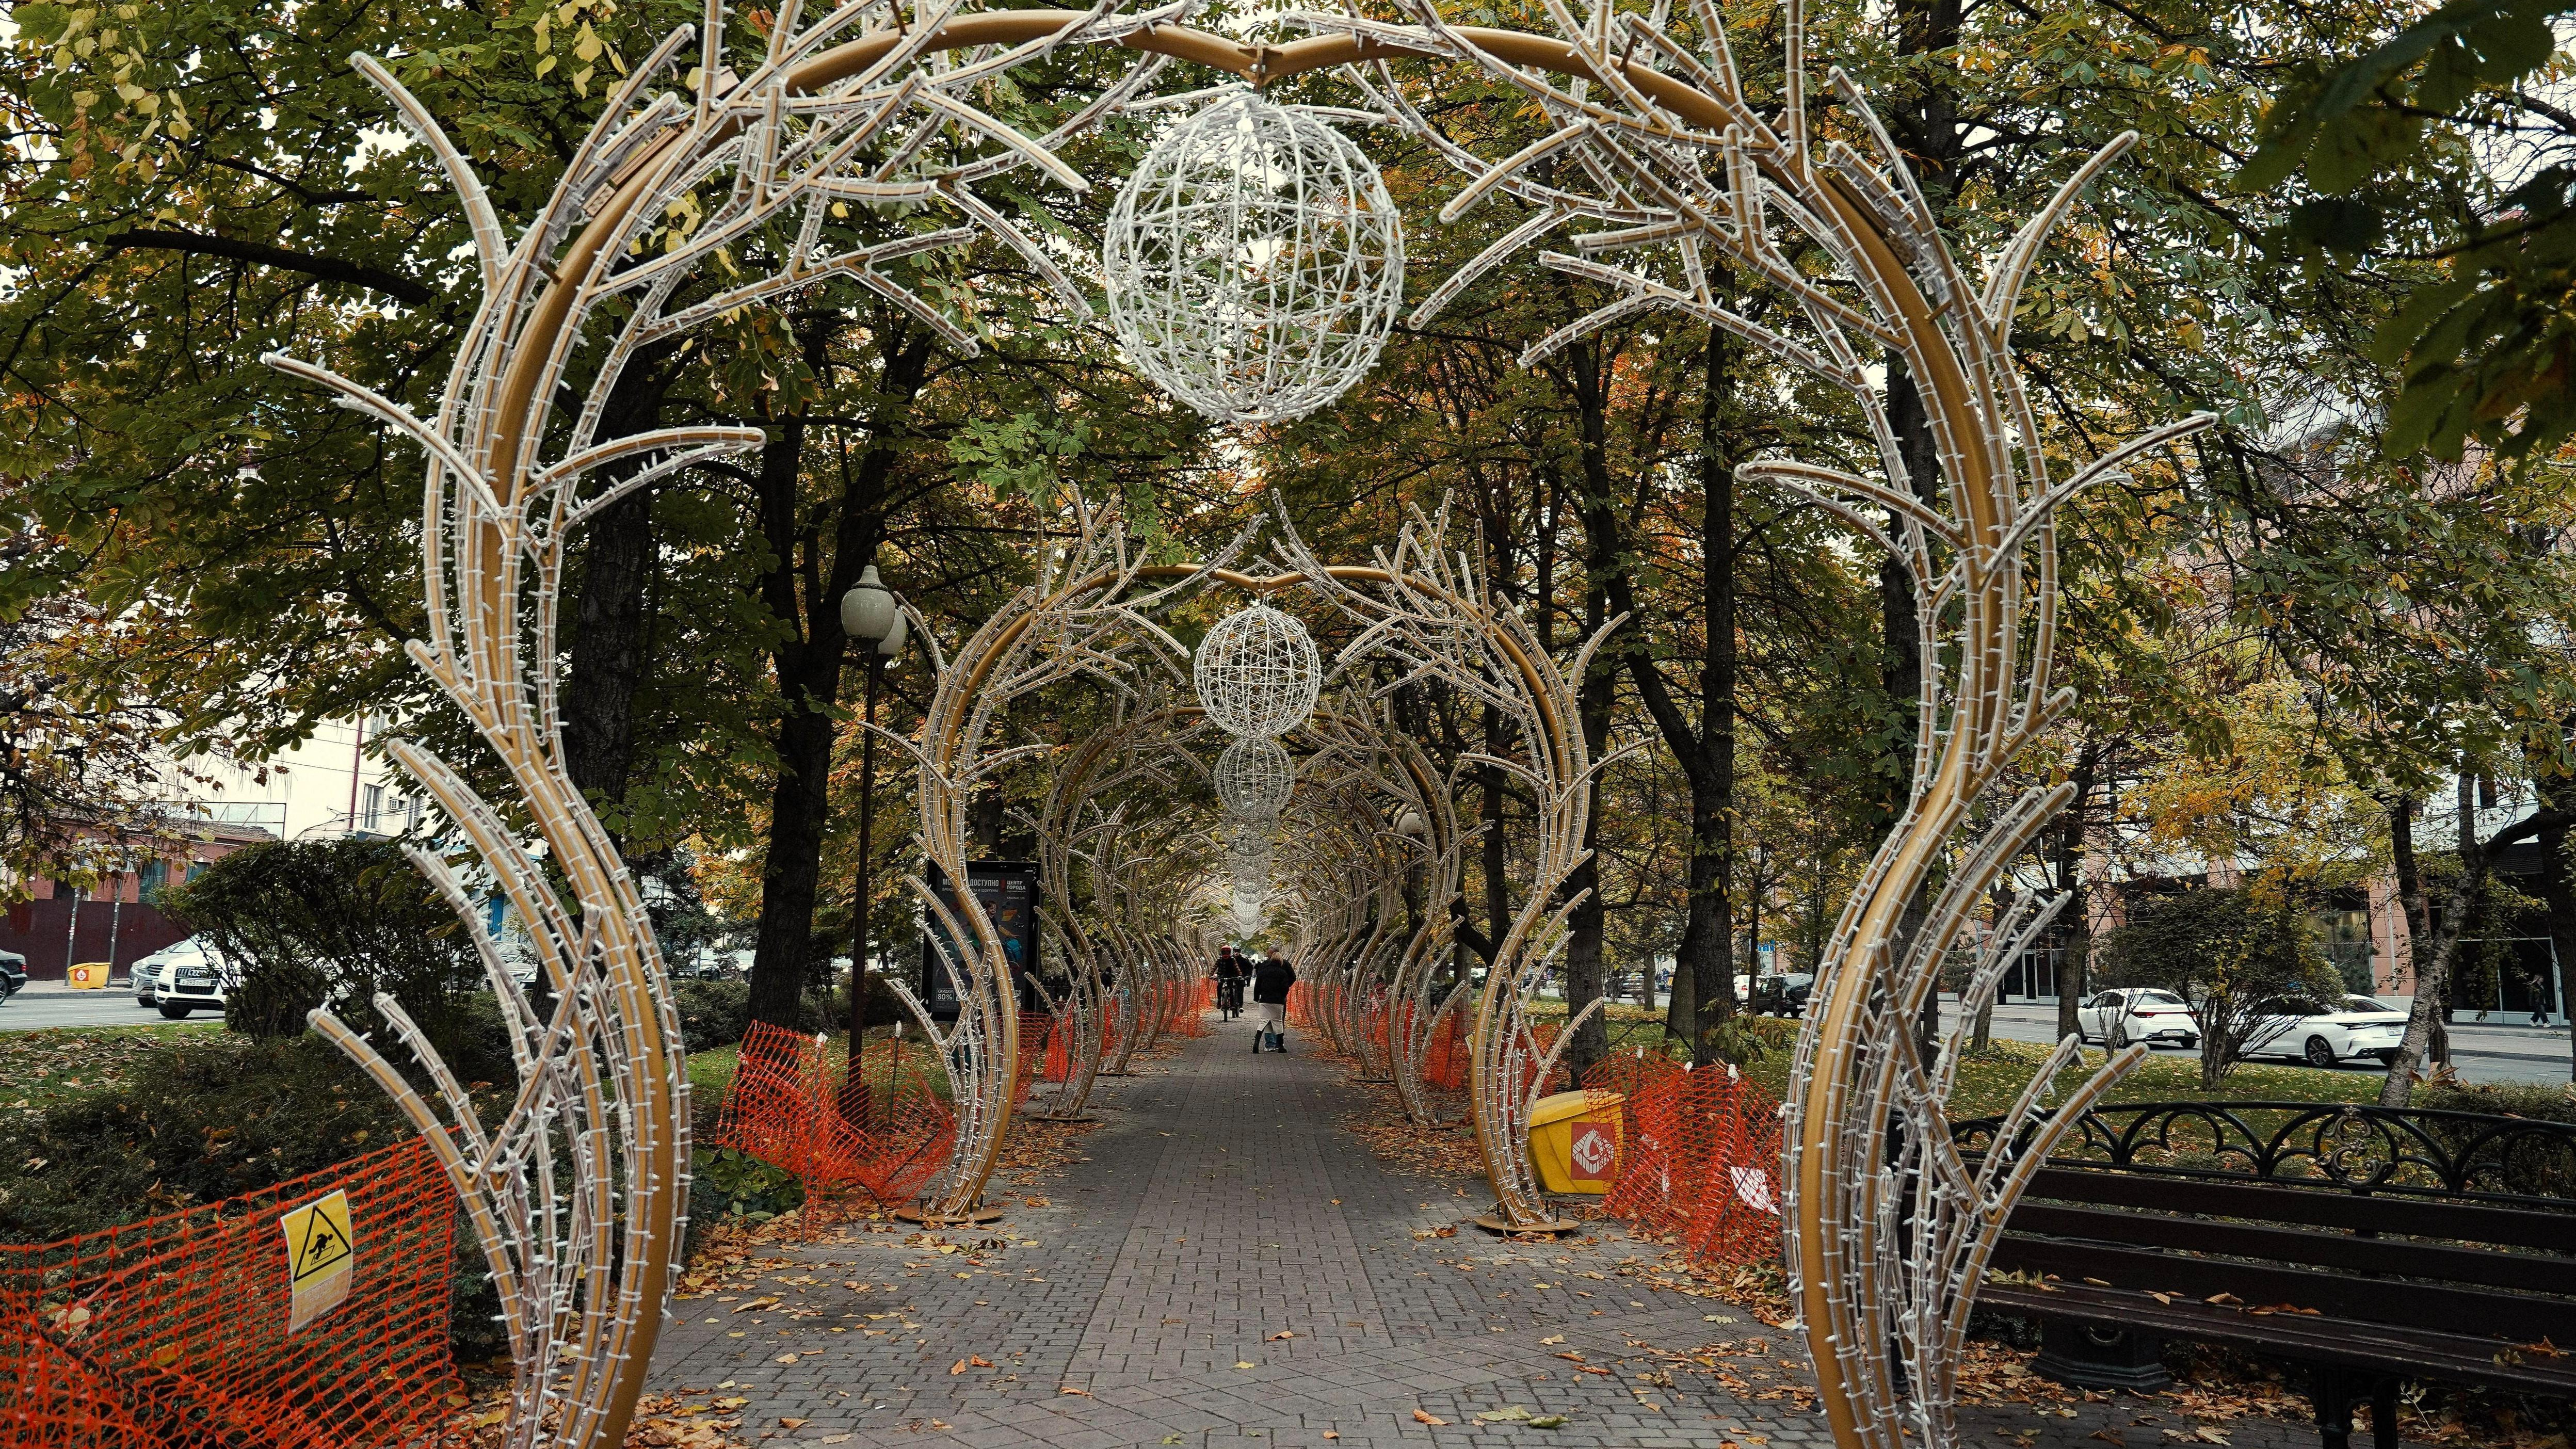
(1270,982)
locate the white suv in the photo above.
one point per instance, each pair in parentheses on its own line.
(185,975)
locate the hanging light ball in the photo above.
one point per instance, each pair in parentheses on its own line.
(1257,673)
(1254,778)
(1254,261)
(1410,823)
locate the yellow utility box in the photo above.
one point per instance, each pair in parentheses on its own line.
(1574,1141)
(87,975)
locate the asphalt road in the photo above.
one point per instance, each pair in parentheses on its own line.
(2480,1052)
(51,1003)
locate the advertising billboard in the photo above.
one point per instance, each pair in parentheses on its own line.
(1008,891)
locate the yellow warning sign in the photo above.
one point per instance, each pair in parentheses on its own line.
(321,1257)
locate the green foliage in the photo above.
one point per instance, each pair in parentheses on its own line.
(306,924)
(732,1183)
(207,1116)
(712,1013)
(2224,952)
(2485,352)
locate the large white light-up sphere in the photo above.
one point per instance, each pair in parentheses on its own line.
(1257,673)
(1254,778)
(1254,262)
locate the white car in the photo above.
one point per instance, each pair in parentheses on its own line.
(2325,1033)
(186,975)
(2137,1014)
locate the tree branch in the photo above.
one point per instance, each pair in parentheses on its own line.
(328,269)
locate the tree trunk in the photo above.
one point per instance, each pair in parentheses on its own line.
(607,662)
(803,593)
(2425,1040)
(1706,957)
(2076,946)
(1585,923)
(2558,892)
(1595,696)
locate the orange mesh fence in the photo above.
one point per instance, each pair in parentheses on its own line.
(311,1313)
(1445,1064)
(1701,1159)
(1186,1003)
(887,1134)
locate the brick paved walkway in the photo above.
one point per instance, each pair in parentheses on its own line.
(1229,1266)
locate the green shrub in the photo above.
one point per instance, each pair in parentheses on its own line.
(712,1013)
(2538,1102)
(211,1117)
(306,924)
(2533,1168)
(718,1013)
(730,1183)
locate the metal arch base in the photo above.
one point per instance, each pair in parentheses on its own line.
(1505,1228)
(930,1219)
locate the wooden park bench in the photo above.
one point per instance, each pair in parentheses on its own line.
(2372,1245)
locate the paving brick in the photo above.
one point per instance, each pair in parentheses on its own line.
(1204,1225)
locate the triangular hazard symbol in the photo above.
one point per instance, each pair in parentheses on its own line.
(323,1245)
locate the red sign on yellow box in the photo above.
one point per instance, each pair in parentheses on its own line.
(1574,1141)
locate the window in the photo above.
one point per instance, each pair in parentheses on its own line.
(375,806)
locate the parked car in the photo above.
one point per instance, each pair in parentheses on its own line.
(186,975)
(2137,1013)
(147,980)
(13,974)
(2326,1033)
(1783,995)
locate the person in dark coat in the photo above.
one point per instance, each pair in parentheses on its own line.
(1230,974)
(1270,982)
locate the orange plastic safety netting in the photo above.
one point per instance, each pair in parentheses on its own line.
(1700,1159)
(1183,1006)
(1444,1065)
(887,1133)
(313,1313)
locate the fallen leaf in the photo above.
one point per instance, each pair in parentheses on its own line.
(957,1368)
(2107,1437)
(1283,1333)
(979,1361)
(1551,1421)
(1243,1363)
(1420,1417)
(1508,1414)
(1077,1393)
(1553,1338)
(836,1439)
(794,1423)
(787,1358)
(2222,1299)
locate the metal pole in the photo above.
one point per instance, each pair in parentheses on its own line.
(872,665)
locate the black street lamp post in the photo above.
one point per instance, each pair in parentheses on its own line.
(873,620)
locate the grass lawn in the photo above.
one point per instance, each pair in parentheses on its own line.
(39,1069)
(711,1071)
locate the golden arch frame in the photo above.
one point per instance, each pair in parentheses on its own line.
(603,1094)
